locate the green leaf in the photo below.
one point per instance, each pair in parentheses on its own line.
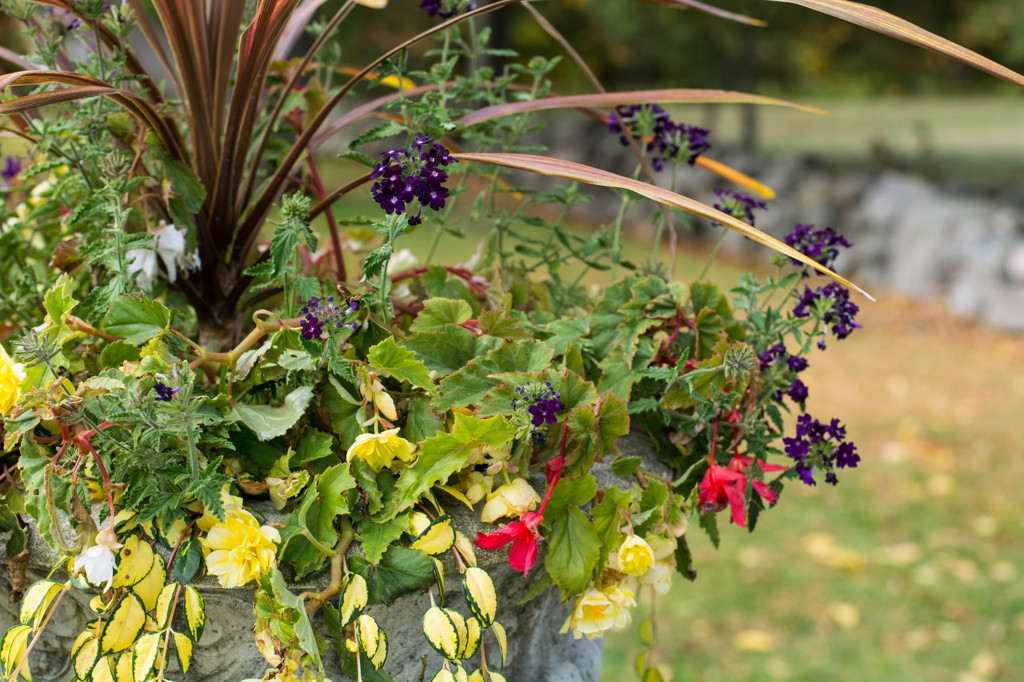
(596,435)
(571,492)
(450,349)
(626,466)
(270,422)
(608,517)
(343,409)
(188,560)
(58,301)
(470,383)
(399,363)
(400,572)
(446,453)
(420,421)
(323,502)
(573,552)
(710,525)
(302,627)
(376,537)
(439,312)
(312,446)
(136,319)
(565,332)
(46,493)
(117,353)
(185,182)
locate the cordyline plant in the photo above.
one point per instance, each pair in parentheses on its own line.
(370,398)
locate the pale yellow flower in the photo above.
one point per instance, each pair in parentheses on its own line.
(382,402)
(99,561)
(11,374)
(375,4)
(379,450)
(597,611)
(240,549)
(635,556)
(232,507)
(512,499)
(659,576)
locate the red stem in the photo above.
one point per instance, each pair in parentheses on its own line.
(177,545)
(106,479)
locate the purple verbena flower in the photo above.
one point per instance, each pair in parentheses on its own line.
(839,309)
(164,393)
(446,9)
(12,166)
(404,176)
(817,446)
(665,139)
(738,205)
(537,406)
(798,392)
(818,245)
(319,312)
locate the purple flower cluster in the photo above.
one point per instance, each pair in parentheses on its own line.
(446,9)
(404,176)
(665,139)
(820,446)
(12,166)
(542,403)
(738,205)
(164,393)
(840,313)
(819,245)
(319,312)
(797,390)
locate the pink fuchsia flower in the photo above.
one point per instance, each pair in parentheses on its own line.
(523,536)
(717,491)
(740,464)
(523,533)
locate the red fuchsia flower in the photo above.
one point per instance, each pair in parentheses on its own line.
(740,464)
(523,534)
(717,491)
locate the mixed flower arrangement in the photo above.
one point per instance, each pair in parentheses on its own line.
(181,353)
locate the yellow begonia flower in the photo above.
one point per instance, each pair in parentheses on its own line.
(659,576)
(240,549)
(512,499)
(635,556)
(11,374)
(379,450)
(382,402)
(597,611)
(232,507)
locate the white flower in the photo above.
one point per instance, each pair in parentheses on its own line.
(99,561)
(169,245)
(404,259)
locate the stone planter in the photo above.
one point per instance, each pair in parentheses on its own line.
(227,651)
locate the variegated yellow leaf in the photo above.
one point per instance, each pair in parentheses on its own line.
(443,675)
(99,605)
(478,589)
(104,670)
(460,674)
(145,654)
(149,587)
(84,655)
(124,625)
(12,650)
(439,577)
(441,633)
(375,4)
(195,613)
(135,560)
(37,600)
(354,596)
(372,640)
(125,521)
(499,632)
(473,639)
(465,547)
(182,650)
(123,668)
(437,538)
(163,605)
(461,628)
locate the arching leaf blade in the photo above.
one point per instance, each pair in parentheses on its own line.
(901,29)
(594,176)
